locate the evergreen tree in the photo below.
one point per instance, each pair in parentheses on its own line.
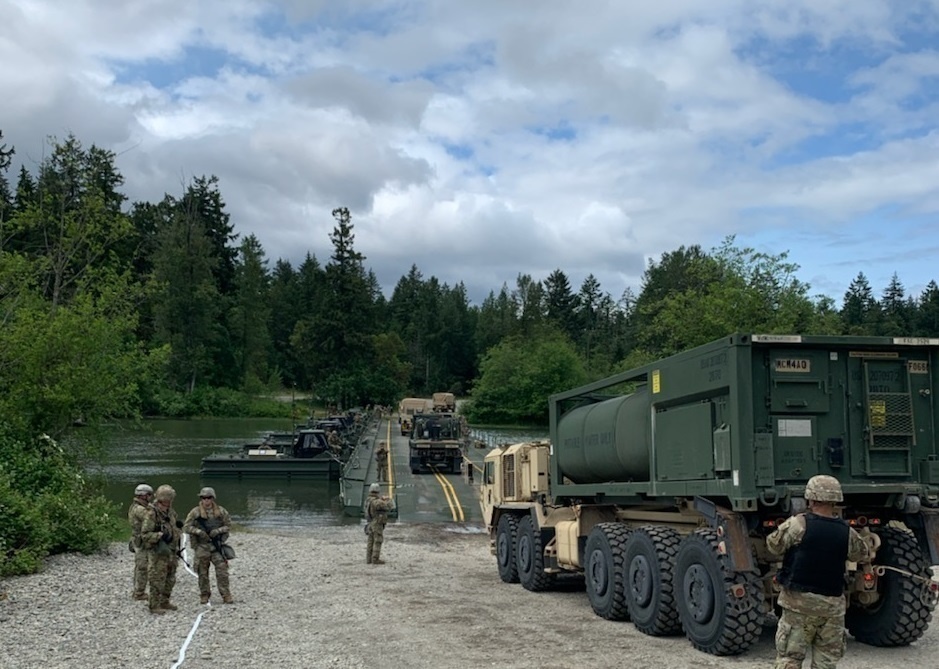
(6,155)
(285,310)
(859,308)
(926,316)
(896,311)
(251,314)
(588,308)
(561,304)
(73,225)
(529,303)
(186,304)
(496,320)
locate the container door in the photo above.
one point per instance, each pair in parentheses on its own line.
(889,430)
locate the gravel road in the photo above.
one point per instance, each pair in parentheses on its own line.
(307,599)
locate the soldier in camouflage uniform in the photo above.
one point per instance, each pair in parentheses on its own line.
(381,460)
(377,507)
(135,514)
(335,443)
(204,523)
(814,546)
(160,533)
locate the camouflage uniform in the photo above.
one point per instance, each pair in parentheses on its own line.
(201,524)
(161,536)
(376,514)
(135,516)
(335,444)
(810,619)
(381,459)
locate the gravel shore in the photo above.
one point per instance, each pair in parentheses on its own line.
(307,599)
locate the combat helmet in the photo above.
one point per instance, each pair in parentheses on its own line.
(143,489)
(374,489)
(823,488)
(207,492)
(165,493)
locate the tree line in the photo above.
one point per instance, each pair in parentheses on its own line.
(110,308)
(191,307)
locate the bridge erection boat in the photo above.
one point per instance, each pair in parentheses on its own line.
(304,454)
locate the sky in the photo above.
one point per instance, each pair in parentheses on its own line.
(482,140)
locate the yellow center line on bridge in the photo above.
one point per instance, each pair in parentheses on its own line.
(452,500)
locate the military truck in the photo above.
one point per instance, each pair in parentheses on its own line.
(660,485)
(406,410)
(444,402)
(436,443)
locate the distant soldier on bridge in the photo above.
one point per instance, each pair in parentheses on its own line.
(381,460)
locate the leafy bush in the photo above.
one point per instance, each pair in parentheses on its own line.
(216,402)
(46,506)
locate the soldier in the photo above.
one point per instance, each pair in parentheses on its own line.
(381,459)
(135,516)
(209,524)
(160,533)
(377,507)
(335,444)
(814,546)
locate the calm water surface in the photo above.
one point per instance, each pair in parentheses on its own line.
(171,451)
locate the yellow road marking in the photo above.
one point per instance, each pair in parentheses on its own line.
(456,509)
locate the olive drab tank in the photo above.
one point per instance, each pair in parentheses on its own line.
(606,441)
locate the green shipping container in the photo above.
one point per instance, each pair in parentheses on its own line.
(748,419)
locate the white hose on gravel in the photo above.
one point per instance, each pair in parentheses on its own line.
(181,657)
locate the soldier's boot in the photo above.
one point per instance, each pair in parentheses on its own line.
(203,599)
(378,561)
(140,596)
(228,599)
(157,610)
(168,605)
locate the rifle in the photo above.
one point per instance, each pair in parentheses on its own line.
(217,541)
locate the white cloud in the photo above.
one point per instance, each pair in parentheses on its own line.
(483,140)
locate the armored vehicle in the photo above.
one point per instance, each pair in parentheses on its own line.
(661,484)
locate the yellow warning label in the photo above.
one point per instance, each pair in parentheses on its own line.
(656,382)
(878,413)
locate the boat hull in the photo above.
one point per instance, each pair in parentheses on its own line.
(239,466)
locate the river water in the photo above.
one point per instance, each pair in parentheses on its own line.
(171,451)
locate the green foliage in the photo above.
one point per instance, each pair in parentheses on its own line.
(77,363)
(45,505)
(733,290)
(518,375)
(216,402)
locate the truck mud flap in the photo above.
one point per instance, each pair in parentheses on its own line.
(732,534)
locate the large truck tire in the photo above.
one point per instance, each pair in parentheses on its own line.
(603,570)
(649,563)
(506,537)
(904,610)
(529,557)
(714,620)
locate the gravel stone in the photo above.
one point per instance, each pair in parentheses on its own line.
(305,599)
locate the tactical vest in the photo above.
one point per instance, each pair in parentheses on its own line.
(816,564)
